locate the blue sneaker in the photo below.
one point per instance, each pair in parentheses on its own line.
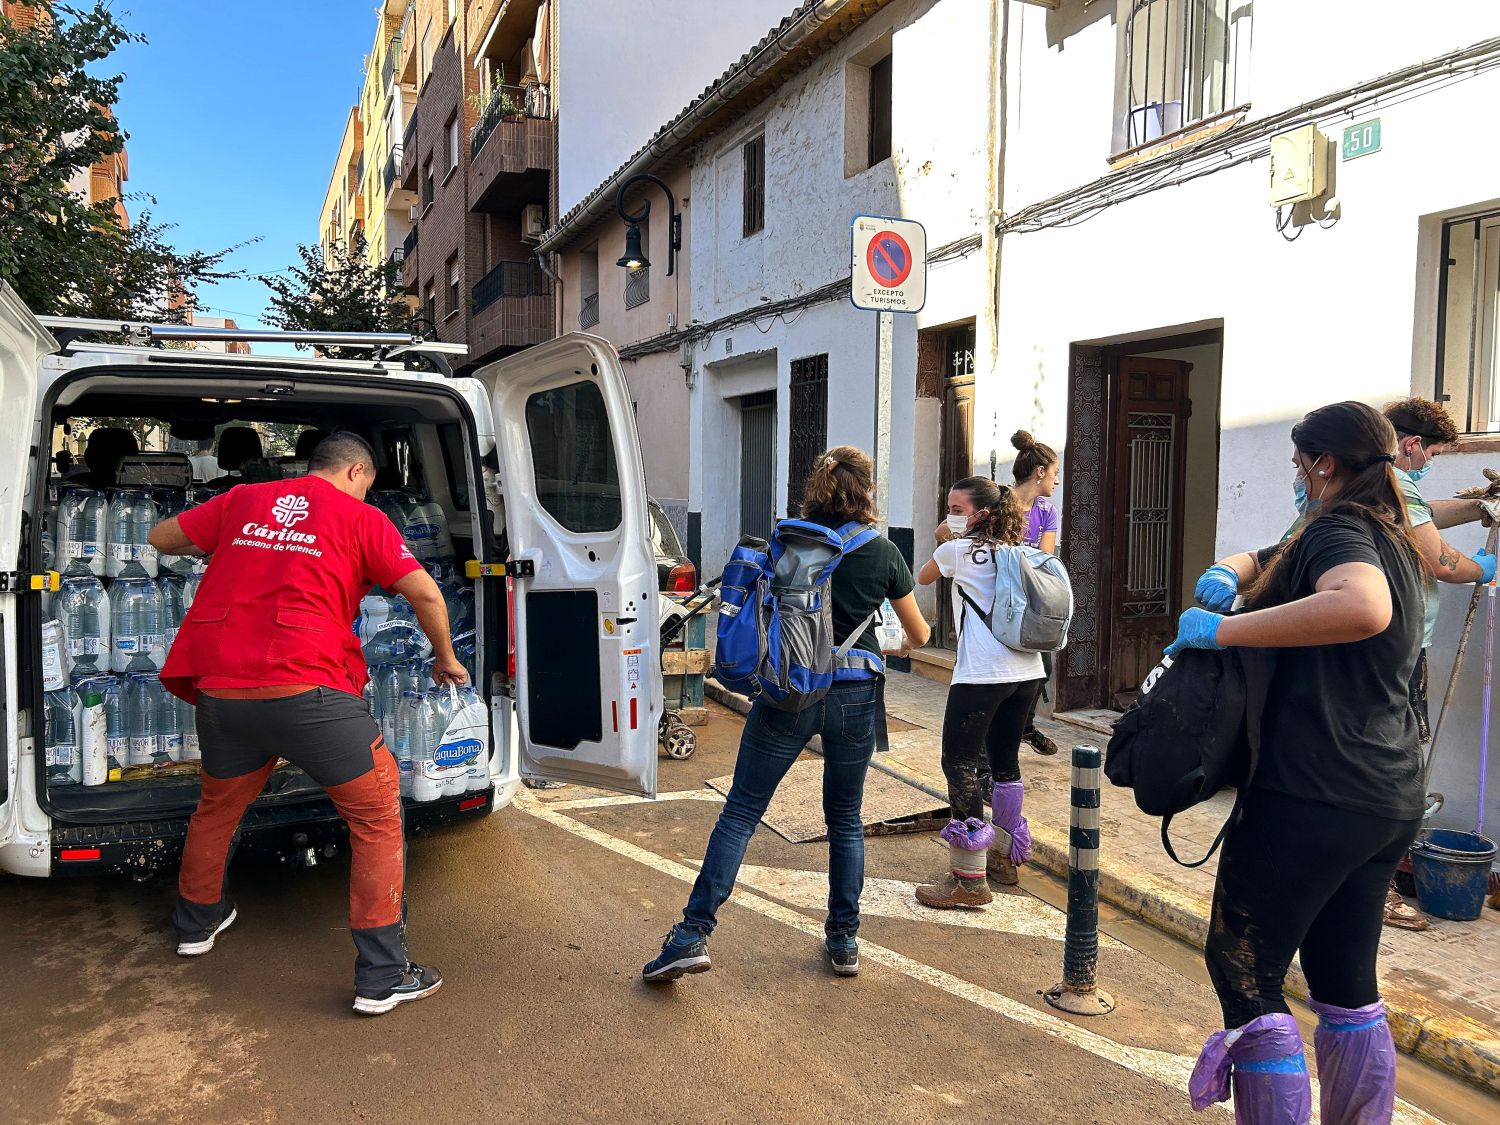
(843,954)
(683,951)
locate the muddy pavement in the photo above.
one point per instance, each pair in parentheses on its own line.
(540,918)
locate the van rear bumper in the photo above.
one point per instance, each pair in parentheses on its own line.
(142,848)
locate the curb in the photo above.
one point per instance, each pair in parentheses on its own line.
(1432,1032)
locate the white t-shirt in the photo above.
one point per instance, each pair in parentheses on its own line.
(981,658)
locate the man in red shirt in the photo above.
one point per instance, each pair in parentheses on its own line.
(268,655)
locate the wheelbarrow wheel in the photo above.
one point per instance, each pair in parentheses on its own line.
(680,743)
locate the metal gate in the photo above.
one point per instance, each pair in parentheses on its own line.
(757,464)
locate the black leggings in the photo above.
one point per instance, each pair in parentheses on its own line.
(1300,876)
(981,737)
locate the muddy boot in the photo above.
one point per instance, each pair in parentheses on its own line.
(955,891)
(1012,833)
(1039,742)
(1356,1064)
(967,841)
(1265,1064)
(999,867)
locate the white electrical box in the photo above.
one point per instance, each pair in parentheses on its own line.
(1299,166)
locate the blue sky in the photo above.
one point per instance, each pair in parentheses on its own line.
(235,109)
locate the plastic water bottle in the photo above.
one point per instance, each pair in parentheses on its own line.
(116,721)
(135,625)
(173,502)
(426,779)
(64,763)
(374,611)
(371,701)
(79,531)
(83,608)
(467,651)
(390,504)
(174,607)
(169,737)
(144,704)
(191,751)
(54,660)
(477,777)
(132,515)
(94,731)
(440,704)
(408,737)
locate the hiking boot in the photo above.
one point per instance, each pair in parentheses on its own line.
(1039,742)
(201,944)
(1401,914)
(954,892)
(683,951)
(415,983)
(843,954)
(999,868)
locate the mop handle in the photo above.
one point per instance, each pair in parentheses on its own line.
(1484,721)
(1490,545)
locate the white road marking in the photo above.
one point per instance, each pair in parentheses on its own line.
(892,898)
(1170,1070)
(626,799)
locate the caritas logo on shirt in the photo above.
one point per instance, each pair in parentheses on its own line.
(288,511)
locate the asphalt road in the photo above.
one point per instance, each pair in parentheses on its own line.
(540,918)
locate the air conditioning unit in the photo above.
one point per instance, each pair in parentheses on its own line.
(533,222)
(416,212)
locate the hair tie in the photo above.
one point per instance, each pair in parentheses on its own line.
(830,462)
(1373,461)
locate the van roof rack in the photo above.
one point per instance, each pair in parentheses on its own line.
(140,333)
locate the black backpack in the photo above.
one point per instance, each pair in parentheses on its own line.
(1193,730)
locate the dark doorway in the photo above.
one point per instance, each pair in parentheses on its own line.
(956,458)
(758,464)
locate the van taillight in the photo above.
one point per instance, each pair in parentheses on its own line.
(510,651)
(68,855)
(682,579)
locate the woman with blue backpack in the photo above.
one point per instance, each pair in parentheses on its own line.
(993,691)
(1336,795)
(825,576)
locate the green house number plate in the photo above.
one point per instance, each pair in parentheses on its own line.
(1362,138)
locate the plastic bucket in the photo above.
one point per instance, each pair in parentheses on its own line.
(1452,871)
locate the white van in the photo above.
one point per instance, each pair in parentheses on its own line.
(536,464)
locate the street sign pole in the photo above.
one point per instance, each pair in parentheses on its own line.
(885,328)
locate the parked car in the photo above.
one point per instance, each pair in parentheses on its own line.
(675,572)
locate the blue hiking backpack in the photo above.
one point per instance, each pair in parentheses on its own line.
(775,634)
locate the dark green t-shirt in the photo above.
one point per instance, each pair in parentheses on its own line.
(863,580)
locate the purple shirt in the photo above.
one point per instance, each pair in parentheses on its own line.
(1041,519)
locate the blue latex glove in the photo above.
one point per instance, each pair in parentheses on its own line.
(1196,628)
(1486,563)
(1218,588)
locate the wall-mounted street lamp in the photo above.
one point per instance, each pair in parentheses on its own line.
(634,257)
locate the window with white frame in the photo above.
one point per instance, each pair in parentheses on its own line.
(424,58)
(1181,62)
(452,133)
(455,287)
(1467,375)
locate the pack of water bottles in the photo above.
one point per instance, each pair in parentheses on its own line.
(423,523)
(106,637)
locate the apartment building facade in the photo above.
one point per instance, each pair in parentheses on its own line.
(342,217)
(386,105)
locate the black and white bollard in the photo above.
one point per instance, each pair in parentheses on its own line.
(1079,992)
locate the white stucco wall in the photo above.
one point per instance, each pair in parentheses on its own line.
(625,69)
(937,175)
(1343,312)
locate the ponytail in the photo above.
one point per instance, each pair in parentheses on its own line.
(1005,524)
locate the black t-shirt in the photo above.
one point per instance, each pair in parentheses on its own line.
(863,579)
(1338,724)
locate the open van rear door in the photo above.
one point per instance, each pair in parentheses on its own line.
(23,342)
(586,633)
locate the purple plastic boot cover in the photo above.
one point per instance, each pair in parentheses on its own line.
(1007,806)
(1269,1072)
(972,835)
(1356,1064)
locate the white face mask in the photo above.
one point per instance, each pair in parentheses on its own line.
(958,524)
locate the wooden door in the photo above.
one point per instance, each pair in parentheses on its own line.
(957,460)
(758,464)
(1150,457)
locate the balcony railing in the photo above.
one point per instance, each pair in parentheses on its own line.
(588,312)
(409,244)
(388,68)
(511,279)
(509,103)
(409,138)
(392,167)
(637,287)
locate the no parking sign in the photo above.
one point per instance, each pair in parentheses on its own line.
(888,264)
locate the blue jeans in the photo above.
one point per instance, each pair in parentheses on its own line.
(771,742)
